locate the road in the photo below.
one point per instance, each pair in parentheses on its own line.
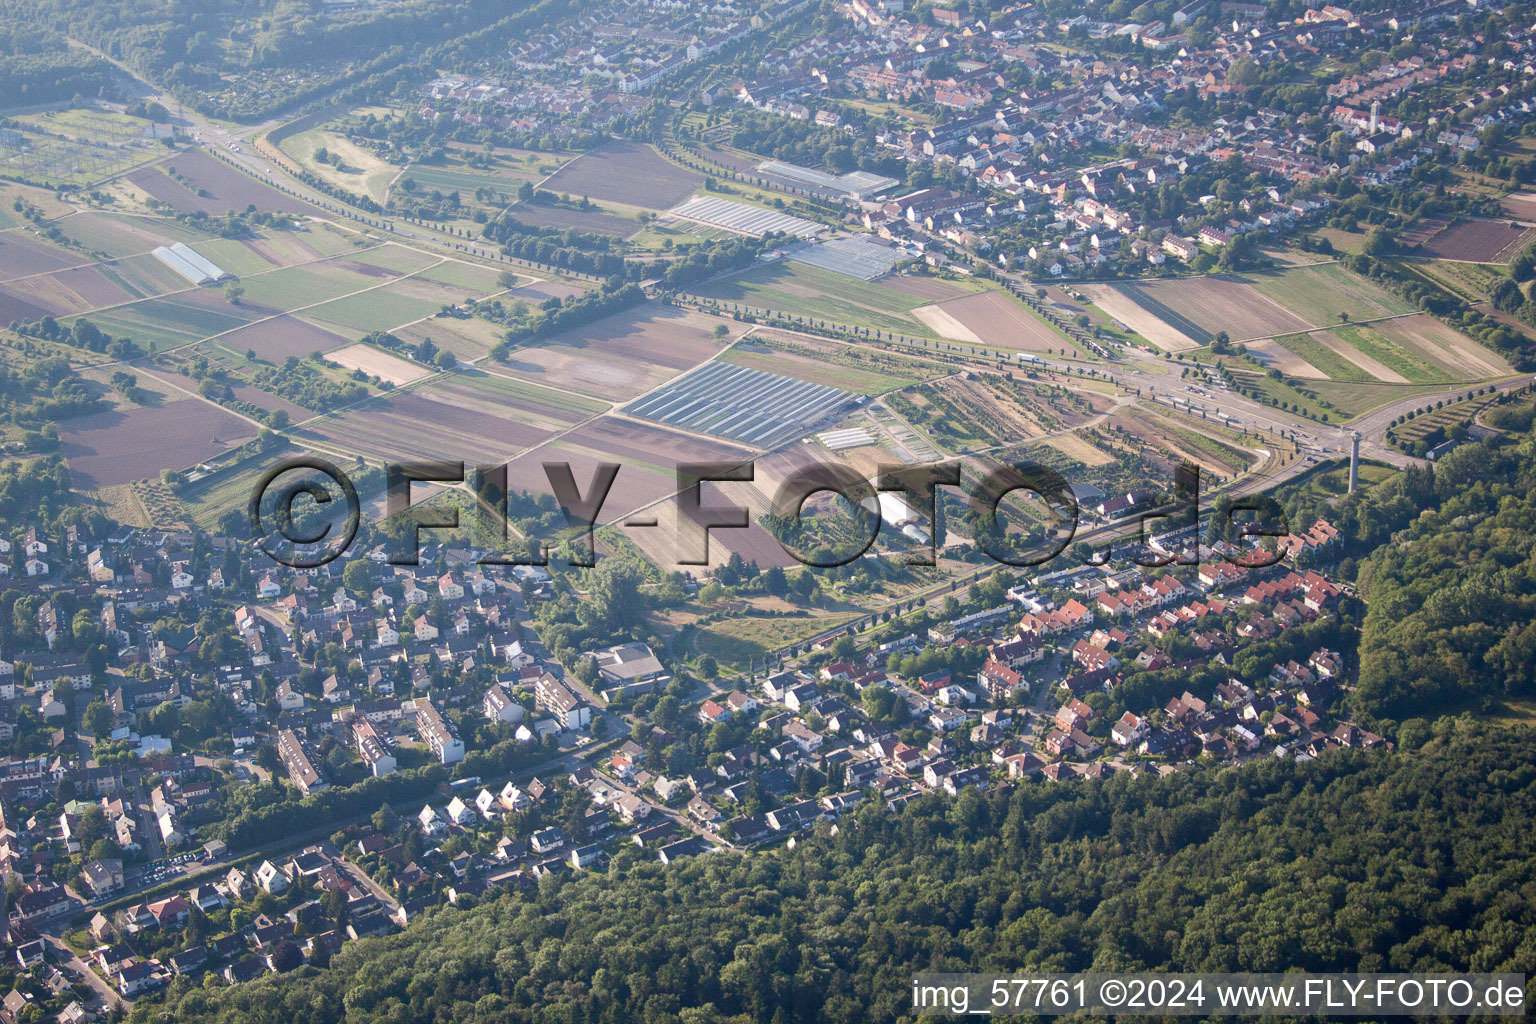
(106,997)
(361,877)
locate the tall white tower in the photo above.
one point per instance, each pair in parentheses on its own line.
(1375,114)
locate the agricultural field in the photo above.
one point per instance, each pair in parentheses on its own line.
(463,417)
(115,235)
(1131,306)
(1478,241)
(472,277)
(816,295)
(598,220)
(468,339)
(1322,292)
(389,260)
(61,293)
(1471,281)
(1421,232)
(351,167)
(384,307)
(377,363)
(276,339)
(202,182)
(1180,314)
(857,368)
(1452,352)
(21,255)
(992,319)
(1520,204)
(924,286)
(132,443)
(1177,315)
(621,356)
(626,172)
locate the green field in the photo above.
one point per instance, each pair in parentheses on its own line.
(738,640)
(818,294)
(457,274)
(1355,398)
(108,233)
(1319,293)
(183,316)
(324,238)
(1471,281)
(376,310)
(503,179)
(235,256)
(1373,344)
(656,236)
(296,287)
(142,276)
(159,336)
(398,259)
(1323,357)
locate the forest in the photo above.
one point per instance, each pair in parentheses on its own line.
(1418,860)
(1453,596)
